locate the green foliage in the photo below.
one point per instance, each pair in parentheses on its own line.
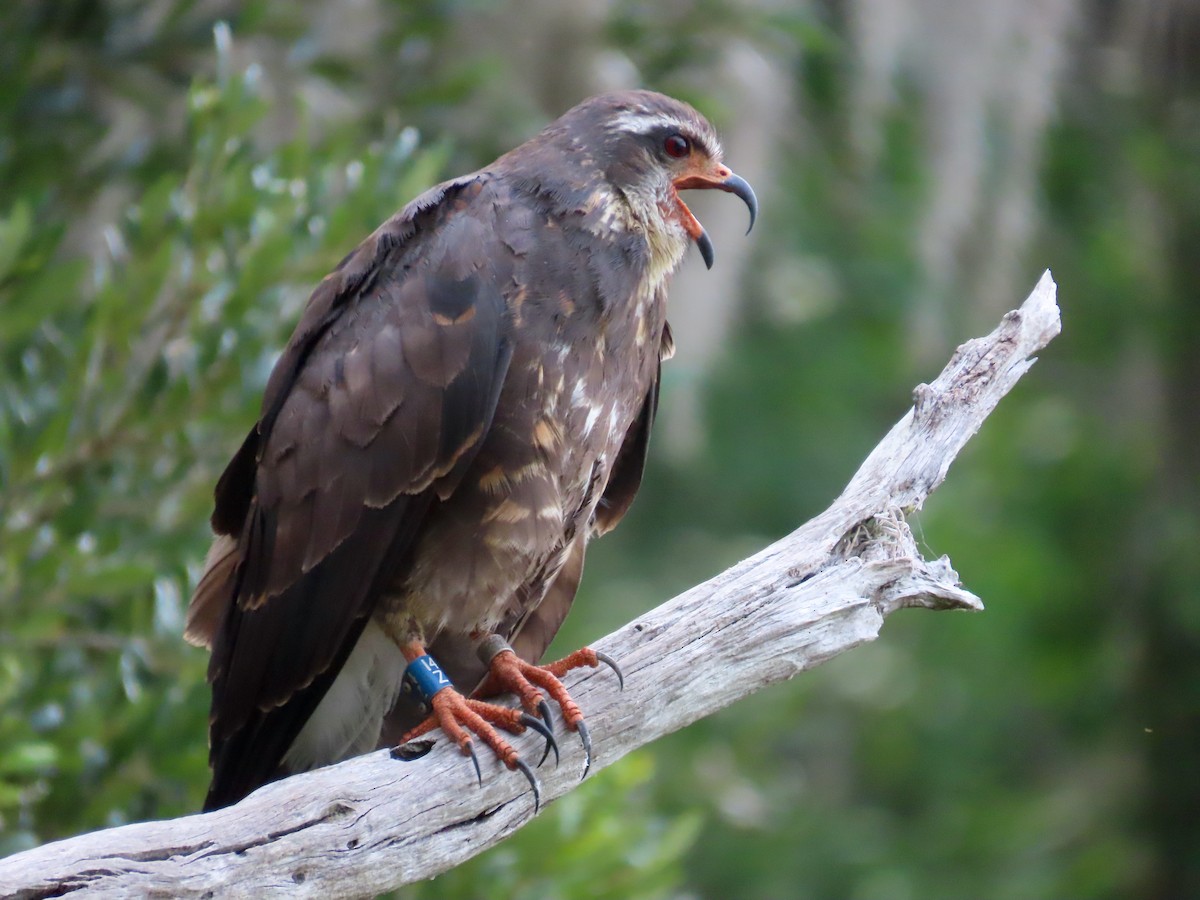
(125,386)
(603,840)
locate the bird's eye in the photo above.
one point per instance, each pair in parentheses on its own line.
(677,146)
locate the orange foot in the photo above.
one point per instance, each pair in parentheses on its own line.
(457,715)
(508,673)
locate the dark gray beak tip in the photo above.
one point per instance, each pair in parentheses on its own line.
(740,187)
(705,245)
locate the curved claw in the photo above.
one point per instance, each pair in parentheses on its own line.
(544,712)
(551,744)
(523,768)
(469,746)
(612,664)
(584,736)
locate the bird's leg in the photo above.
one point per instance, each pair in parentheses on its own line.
(507,672)
(459,716)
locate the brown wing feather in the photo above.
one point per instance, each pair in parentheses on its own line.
(375,408)
(212,593)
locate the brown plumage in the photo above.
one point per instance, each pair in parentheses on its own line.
(466,401)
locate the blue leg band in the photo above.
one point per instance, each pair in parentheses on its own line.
(426,677)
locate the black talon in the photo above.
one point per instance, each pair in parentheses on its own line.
(612,664)
(551,744)
(587,747)
(533,783)
(544,712)
(475,759)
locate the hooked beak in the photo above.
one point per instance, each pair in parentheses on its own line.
(722,179)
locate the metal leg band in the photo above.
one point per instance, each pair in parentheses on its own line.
(493,645)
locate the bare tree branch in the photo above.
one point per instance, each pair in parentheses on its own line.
(373,823)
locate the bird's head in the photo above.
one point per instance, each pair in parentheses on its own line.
(649,147)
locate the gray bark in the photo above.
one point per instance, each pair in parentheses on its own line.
(372,824)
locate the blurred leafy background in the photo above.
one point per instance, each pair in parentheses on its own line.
(175,175)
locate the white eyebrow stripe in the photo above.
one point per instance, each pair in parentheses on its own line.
(643,122)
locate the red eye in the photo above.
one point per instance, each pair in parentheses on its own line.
(677,146)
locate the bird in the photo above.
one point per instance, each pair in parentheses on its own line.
(465,403)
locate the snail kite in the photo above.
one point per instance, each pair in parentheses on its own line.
(465,403)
